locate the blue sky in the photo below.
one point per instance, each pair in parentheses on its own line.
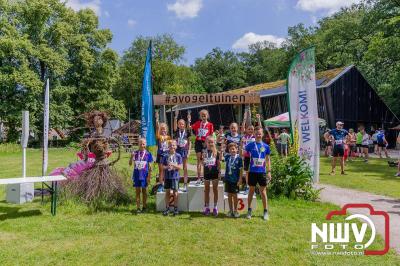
(201,25)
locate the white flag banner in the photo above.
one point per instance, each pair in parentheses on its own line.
(302,93)
(45,128)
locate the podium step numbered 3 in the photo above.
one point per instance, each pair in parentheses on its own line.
(242,202)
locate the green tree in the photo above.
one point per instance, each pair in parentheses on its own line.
(42,39)
(264,63)
(168,75)
(220,71)
(366,35)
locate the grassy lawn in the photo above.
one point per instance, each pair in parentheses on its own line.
(30,235)
(375,176)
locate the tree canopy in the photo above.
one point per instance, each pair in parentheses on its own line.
(42,39)
(169,75)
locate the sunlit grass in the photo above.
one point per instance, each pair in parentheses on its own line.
(30,235)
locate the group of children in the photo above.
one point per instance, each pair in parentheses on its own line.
(244,151)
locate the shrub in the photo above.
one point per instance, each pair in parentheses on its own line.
(292,178)
(10,147)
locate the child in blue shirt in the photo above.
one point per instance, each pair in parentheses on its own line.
(259,153)
(141,173)
(232,178)
(172,163)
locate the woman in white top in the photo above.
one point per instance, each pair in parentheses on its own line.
(365,144)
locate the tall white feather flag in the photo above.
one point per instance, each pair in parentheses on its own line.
(302,93)
(46,111)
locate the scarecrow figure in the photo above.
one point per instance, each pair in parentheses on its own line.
(100,183)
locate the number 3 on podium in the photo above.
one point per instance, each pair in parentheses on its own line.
(240,204)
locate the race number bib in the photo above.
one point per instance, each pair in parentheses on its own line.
(140,165)
(339,142)
(182,143)
(164,146)
(202,132)
(209,161)
(258,162)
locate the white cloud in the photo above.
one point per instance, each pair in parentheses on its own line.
(330,6)
(314,20)
(251,38)
(186,8)
(131,23)
(79,4)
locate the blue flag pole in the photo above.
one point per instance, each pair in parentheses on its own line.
(147,126)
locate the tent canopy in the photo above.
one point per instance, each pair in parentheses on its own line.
(282,120)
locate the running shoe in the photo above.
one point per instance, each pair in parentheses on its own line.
(198,182)
(248,214)
(184,187)
(265,216)
(398,174)
(144,209)
(229,214)
(176,212)
(206,211)
(246,190)
(166,212)
(215,211)
(236,214)
(138,211)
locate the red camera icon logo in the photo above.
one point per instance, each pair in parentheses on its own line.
(372,212)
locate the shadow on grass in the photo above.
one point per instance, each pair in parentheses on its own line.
(127,209)
(375,167)
(193,215)
(14,213)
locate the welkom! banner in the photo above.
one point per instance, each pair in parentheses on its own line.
(302,97)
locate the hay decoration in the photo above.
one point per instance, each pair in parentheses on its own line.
(100,184)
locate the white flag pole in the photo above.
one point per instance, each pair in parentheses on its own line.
(24,139)
(45,128)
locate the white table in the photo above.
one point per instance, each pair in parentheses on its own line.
(39,179)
